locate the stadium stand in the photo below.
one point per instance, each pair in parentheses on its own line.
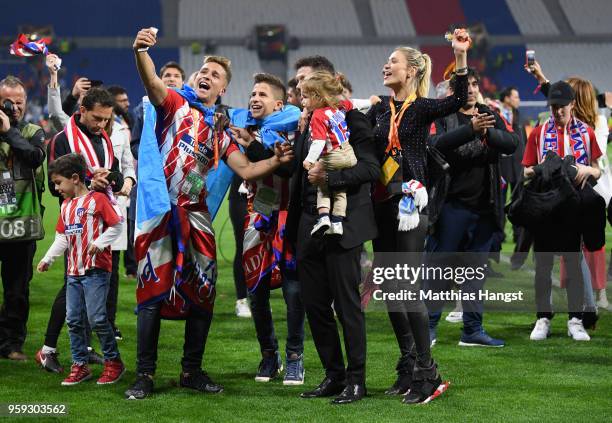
(391,18)
(588,16)
(532,17)
(590,61)
(81,21)
(218,18)
(245,64)
(495,15)
(435,16)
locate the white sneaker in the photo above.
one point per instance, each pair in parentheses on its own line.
(242,308)
(455,317)
(602,299)
(541,331)
(335,229)
(576,330)
(322,225)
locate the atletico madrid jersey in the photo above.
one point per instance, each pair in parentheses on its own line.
(83,220)
(187,149)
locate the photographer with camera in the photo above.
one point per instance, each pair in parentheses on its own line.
(21,184)
(468,207)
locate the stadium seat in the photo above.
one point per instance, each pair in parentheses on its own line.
(588,16)
(532,17)
(391,18)
(218,18)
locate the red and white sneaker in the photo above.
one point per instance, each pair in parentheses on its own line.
(78,374)
(113,370)
(49,361)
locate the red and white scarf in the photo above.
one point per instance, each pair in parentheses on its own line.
(81,144)
(577,142)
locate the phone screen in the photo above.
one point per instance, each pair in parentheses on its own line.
(95,82)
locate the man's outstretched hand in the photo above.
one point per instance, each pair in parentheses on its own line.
(145,38)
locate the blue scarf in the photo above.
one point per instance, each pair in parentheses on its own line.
(284,120)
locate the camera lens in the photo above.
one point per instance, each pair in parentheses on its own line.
(8,107)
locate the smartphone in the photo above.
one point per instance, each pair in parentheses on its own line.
(530,58)
(96,83)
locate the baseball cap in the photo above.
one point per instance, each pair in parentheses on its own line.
(560,94)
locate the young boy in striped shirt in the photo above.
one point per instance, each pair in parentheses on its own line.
(87,226)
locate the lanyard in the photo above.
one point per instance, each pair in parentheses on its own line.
(394,142)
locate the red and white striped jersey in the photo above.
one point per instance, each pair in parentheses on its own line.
(83,220)
(186,163)
(329,124)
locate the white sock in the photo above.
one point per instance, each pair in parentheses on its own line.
(48,350)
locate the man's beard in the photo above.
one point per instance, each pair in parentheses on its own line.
(125,115)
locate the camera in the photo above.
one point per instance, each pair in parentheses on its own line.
(8,107)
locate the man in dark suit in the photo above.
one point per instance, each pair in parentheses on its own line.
(328,267)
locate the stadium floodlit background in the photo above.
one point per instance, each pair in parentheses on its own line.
(570,37)
(558,380)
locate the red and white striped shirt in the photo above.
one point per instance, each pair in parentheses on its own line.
(83,220)
(328,124)
(186,163)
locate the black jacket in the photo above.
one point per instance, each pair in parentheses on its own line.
(360,225)
(453,142)
(511,167)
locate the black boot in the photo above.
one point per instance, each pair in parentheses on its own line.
(426,385)
(404,368)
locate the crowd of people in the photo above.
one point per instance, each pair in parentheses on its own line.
(315,174)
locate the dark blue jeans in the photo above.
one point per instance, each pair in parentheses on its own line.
(460,230)
(86,302)
(262,316)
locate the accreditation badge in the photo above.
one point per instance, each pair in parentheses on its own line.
(266,200)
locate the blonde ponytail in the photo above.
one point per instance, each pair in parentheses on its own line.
(424,76)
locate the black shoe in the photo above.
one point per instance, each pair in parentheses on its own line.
(327,388)
(350,394)
(423,390)
(118,335)
(589,319)
(401,385)
(270,367)
(200,381)
(49,361)
(95,358)
(141,389)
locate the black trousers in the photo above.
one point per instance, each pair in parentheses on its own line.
(329,273)
(237,212)
(558,236)
(16,258)
(411,325)
(129,259)
(113,289)
(197,326)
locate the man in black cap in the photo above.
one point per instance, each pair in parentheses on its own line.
(560,234)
